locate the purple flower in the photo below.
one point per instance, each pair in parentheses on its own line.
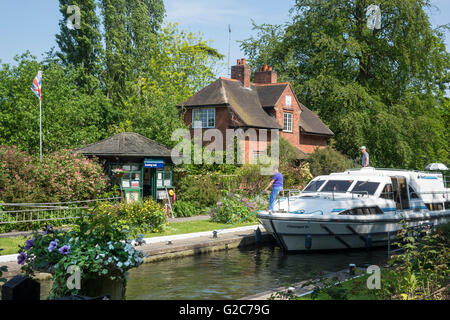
(64,249)
(52,246)
(219,204)
(29,244)
(48,229)
(252,205)
(21,258)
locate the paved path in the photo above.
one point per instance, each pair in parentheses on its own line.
(193,218)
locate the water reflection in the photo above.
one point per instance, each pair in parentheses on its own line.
(234,273)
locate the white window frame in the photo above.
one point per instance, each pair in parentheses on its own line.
(288,101)
(288,119)
(204,118)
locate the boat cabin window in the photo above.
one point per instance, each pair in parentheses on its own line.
(387,192)
(413,193)
(314,185)
(365,187)
(337,185)
(364,211)
(434,206)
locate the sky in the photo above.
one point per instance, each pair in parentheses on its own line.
(32,25)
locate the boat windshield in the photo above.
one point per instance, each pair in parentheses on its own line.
(365,187)
(314,185)
(337,185)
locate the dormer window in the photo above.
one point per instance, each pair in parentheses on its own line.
(204,118)
(288,101)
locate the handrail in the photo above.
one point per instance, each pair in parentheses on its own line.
(37,204)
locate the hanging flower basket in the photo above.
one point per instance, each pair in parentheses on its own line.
(118,172)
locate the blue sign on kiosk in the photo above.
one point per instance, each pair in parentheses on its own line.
(153,163)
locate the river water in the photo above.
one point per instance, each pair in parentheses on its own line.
(235,273)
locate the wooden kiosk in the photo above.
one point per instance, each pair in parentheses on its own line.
(140,166)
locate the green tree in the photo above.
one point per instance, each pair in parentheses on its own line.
(129,29)
(327,160)
(383,88)
(70,117)
(180,64)
(81,47)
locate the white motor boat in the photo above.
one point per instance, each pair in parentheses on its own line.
(358,208)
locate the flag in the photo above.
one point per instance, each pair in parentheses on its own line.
(36,86)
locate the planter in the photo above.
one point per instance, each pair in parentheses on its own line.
(102,286)
(118,174)
(95,287)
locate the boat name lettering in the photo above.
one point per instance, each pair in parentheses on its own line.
(298,227)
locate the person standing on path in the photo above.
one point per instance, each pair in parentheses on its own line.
(365,157)
(277,185)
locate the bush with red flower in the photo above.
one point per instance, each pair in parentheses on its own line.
(60,176)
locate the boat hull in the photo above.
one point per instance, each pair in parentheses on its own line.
(296,232)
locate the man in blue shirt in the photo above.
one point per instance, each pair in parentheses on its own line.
(277,186)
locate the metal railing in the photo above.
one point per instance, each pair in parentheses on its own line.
(37,212)
(418,230)
(290,195)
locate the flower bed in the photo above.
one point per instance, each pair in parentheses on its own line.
(99,248)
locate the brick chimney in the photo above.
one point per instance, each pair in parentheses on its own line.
(265,75)
(241,72)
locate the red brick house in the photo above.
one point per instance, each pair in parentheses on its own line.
(261,104)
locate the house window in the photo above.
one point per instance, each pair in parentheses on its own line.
(287,122)
(204,118)
(289,101)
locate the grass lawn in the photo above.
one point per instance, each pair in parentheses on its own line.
(10,245)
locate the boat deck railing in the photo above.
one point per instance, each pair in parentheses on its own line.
(292,194)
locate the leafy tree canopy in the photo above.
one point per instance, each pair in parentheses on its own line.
(384,88)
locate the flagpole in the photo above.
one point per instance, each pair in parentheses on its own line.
(229,46)
(40,129)
(36,88)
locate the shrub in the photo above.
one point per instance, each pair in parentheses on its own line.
(137,217)
(296,177)
(199,190)
(420,270)
(183,208)
(67,176)
(234,207)
(327,160)
(289,155)
(18,178)
(251,181)
(61,176)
